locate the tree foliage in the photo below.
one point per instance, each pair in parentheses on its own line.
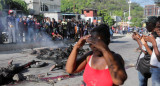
(2,4)
(106,9)
(18,5)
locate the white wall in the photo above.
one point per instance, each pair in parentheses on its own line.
(87,18)
(56,16)
(53,6)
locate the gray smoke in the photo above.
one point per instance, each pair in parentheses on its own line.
(39,38)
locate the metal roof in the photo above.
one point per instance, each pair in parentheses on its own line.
(70,14)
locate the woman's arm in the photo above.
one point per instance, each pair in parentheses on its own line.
(73,65)
(155,47)
(137,38)
(146,46)
(154,43)
(116,67)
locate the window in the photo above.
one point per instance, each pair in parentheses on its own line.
(55,6)
(149,11)
(51,6)
(44,7)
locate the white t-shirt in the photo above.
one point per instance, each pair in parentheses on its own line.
(143,47)
(154,61)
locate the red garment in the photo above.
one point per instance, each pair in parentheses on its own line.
(94,77)
(52,33)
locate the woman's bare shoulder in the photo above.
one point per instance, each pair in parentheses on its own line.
(88,54)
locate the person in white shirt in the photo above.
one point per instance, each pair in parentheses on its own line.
(144,46)
(155,57)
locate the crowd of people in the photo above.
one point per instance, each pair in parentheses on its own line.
(129,30)
(30,29)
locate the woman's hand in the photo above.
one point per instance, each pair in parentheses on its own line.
(143,41)
(97,43)
(136,36)
(82,41)
(149,38)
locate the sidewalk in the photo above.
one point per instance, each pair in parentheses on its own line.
(8,47)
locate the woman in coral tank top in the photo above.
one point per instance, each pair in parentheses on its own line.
(101,66)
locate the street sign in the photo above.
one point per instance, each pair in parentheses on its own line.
(129,18)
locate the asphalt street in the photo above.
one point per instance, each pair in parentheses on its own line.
(122,44)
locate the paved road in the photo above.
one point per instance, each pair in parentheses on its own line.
(123,45)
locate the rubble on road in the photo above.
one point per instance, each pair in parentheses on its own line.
(58,55)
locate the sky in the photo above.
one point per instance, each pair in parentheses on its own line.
(144,2)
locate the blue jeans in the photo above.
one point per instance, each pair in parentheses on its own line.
(155,76)
(30,34)
(142,80)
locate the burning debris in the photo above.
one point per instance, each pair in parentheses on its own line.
(39,64)
(12,72)
(59,55)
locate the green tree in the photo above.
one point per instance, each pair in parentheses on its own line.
(2,4)
(18,5)
(106,17)
(136,14)
(111,7)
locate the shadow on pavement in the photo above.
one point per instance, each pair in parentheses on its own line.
(119,41)
(11,51)
(116,37)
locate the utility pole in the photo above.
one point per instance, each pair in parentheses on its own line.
(129,18)
(74,6)
(158,11)
(124,19)
(74,10)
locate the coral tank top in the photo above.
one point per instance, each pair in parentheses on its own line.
(94,77)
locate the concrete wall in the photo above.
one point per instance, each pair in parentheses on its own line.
(87,18)
(88,13)
(56,16)
(53,6)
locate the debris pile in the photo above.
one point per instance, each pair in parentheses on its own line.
(12,74)
(58,55)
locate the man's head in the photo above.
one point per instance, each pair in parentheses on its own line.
(64,20)
(157,29)
(10,12)
(151,23)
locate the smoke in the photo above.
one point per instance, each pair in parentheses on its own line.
(46,41)
(24,35)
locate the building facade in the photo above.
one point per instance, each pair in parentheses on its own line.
(90,15)
(46,7)
(151,10)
